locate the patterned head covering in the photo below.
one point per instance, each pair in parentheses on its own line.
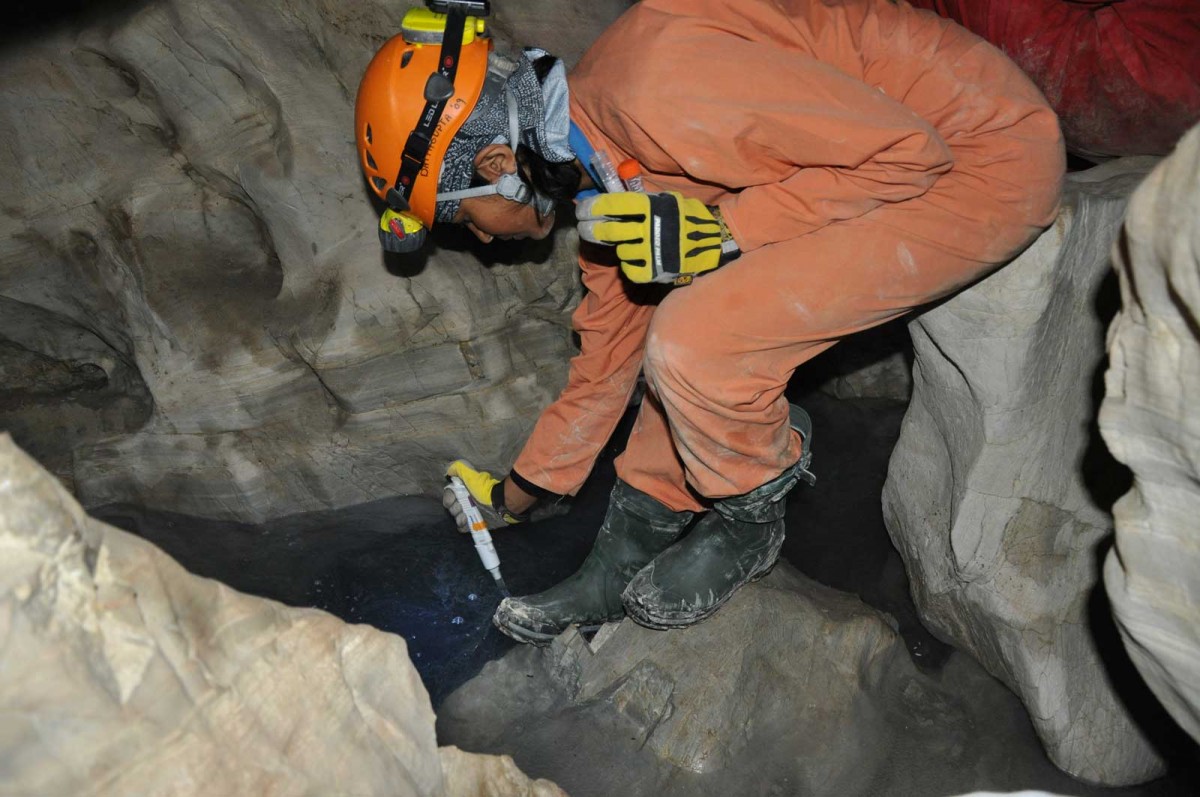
(543,121)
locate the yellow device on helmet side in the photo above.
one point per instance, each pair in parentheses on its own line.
(408,224)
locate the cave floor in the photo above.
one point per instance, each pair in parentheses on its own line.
(397,564)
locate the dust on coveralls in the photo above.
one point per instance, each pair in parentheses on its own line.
(868,158)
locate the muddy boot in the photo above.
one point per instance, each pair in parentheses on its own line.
(636,529)
(738,542)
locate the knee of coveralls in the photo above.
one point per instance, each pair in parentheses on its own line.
(651,464)
(721,392)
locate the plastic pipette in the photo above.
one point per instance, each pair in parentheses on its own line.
(479,532)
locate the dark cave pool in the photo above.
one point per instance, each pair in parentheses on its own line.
(399,565)
(396,564)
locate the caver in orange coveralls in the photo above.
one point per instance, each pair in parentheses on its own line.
(868,158)
(865,158)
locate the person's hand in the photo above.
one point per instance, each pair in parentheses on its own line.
(659,237)
(486,491)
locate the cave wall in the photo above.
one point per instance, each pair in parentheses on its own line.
(1150,422)
(195,316)
(194,310)
(999,489)
(124,674)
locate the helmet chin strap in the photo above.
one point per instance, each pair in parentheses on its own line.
(510,186)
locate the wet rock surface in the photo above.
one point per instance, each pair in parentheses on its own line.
(686,710)
(999,489)
(124,674)
(1150,423)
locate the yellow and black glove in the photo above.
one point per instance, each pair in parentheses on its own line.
(487,492)
(659,237)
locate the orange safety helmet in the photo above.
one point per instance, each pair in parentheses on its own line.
(394,94)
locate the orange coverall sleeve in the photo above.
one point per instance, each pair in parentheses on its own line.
(854,149)
(571,432)
(742,112)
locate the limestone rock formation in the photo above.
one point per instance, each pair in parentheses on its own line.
(792,688)
(124,674)
(996,492)
(473,775)
(1150,421)
(685,712)
(194,310)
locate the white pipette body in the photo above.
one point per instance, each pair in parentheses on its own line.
(479,531)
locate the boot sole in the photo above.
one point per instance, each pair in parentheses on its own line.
(541,639)
(674,620)
(524,635)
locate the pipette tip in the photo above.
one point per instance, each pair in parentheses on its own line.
(500,585)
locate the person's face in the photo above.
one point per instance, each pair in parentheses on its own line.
(491,217)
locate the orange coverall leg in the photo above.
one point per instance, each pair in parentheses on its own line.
(720,352)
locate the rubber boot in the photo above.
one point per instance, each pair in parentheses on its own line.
(636,529)
(738,542)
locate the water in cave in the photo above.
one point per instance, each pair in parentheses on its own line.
(399,565)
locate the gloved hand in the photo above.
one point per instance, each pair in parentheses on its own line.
(487,492)
(659,237)
(400,232)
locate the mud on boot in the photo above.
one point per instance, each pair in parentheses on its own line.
(636,529)
(738,542)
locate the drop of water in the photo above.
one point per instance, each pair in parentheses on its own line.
(472,597)
(457,621)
